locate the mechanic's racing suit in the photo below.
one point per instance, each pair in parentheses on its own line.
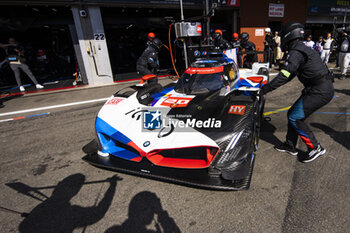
(148,63)
(236,45)
(222,44)
(268,49)
(311,71)
(250,58)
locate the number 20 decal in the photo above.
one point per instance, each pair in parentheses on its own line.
(176,102)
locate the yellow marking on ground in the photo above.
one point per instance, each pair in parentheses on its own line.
(277,111)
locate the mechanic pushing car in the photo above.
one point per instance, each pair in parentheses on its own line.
(250,49)
(219,42)
(148,63)
(304,62)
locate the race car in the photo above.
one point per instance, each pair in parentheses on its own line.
(202,130)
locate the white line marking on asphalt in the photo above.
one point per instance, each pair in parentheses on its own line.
(54,106)
(54,82)
(10,119)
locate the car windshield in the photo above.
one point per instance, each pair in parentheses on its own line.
(197,82)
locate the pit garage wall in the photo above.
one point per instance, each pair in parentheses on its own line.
(93,46)
(87,30)
(255,16)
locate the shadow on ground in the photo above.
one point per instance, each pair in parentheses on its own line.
(5,98)
(267,132)
(343,138)
(56,213)
(343,91)
(145,208)
(268,135)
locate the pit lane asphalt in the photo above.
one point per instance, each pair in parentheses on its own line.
(285,195)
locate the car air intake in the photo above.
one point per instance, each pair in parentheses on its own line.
(189,157)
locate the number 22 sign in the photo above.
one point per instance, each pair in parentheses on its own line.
(99,36)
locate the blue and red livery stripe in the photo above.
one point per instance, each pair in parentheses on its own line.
(24,117)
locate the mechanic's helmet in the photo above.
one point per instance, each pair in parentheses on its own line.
(267,30)
(156,43)
(321,37)
(218,31)
(217,34)
(309,37)
(235,36)
(151,36)
(244,37)
(291,32)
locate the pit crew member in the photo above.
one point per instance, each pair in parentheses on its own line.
(304,62)
(250,48)
(236,44)
(219,42)
(148,63)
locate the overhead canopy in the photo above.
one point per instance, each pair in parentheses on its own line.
(328,7)
(125,3)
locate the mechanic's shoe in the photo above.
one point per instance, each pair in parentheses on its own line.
(21,88)
(314,154)
(285,147)
(342,77)
(38,86)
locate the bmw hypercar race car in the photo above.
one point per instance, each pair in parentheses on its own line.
(200,131)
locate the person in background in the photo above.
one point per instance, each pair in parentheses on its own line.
(319,45)
(235,40)
(344,55)
(148,63)
(309,42)
(236,44)
(278,52)
(219,42)
(16,60)
(327,48)
(269,44)
(150,37)
(250,49)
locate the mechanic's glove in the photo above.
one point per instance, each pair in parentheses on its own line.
(152,63)
(264,90)
(260,93)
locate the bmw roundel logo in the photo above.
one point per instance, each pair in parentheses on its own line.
(197,53)
(146,143)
